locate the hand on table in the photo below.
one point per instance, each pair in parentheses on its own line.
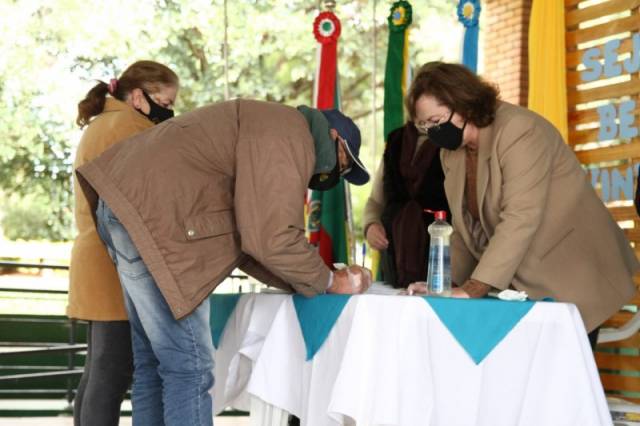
(352,280)
(459,293)
(420,287)
(377,237)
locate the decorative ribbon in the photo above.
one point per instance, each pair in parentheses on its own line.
(327,209)
(326,29)
(397,71)
(469,15)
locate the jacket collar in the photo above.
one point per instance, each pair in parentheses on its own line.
(485,149)
(455,165)
(112,105)
(115,105)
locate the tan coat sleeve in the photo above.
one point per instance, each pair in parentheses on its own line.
(262,274)
(375,203)
(272,173)
(525,162)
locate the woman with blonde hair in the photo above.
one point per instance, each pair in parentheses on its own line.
(142,96)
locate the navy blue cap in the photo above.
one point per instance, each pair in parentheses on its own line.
(348,131)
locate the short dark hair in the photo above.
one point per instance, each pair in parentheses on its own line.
(456,87)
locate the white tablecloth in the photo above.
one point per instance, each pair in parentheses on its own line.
(240,347)
(389,361)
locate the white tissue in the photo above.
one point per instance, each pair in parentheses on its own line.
(520,296)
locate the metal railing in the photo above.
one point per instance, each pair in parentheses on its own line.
(70,349)
(9,265)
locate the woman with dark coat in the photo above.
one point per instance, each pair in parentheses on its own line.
(408,181)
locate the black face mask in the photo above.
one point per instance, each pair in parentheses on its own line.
(326,181)
(446,135)
(157,113)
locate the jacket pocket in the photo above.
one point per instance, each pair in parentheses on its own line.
(550,245)
(208,225)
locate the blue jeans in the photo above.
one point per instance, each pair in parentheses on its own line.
(173,359)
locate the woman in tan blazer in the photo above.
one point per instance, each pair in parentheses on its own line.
(143,95)
(525,215)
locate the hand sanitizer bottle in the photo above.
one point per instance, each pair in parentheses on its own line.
(439,267)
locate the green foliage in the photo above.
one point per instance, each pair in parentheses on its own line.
(52,52)
(29,218)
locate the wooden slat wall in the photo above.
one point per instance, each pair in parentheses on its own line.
(619,362)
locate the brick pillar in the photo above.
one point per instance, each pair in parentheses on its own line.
(506,35)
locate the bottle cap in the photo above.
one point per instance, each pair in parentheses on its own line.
(440,215)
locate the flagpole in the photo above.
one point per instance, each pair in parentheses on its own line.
(374,131)
(351,244)
(225,52)
(330,225)
(330,5)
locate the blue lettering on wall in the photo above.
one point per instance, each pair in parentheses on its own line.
(608,126)
(632,63)
(594,68)
(615,184)
(611,66)
(627,130)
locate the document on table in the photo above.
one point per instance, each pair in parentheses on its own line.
(379,287)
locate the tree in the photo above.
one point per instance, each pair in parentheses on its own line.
(56,50)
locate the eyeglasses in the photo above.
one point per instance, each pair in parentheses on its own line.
(426,125)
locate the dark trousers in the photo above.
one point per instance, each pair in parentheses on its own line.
(107,374)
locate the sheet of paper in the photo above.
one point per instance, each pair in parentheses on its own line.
(379,287)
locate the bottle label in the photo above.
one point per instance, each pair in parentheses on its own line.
(439,267)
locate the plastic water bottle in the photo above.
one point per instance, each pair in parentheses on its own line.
(439,268)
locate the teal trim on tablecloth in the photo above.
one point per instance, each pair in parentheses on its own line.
(316,316)
(478,324)
(221,307)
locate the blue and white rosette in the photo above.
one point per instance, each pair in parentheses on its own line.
(469,15)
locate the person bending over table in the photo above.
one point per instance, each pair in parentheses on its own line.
(181,205)
(525,216)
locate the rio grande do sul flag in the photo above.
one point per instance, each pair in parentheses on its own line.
(327,220)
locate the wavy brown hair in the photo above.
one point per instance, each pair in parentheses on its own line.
(456,87)
(149,76)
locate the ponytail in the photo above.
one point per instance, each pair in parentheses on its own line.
(92,104)
(149,76)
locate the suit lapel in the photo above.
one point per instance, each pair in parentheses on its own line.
(485,148)
(455,171)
